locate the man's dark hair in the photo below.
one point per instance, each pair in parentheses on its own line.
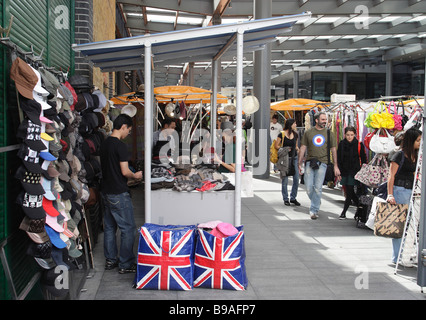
(167,121)
(122,119)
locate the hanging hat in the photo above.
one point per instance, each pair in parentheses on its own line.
(55,238)
(24,77)
(250,104)
(102,100)
(30,133)
(129,109)
(31,182)
(47,186)
(50,82)
(32,205)
(230,109)
(35,229)
(32,110)
(73,93)
(30,158)
(170,108)
(38,87)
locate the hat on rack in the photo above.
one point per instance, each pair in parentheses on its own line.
(129,109)
(24,77)
(78,81)
(31,182)
(30,158)
(32,205)
(38,87)
(102,100)
(32,110)
(35,229)
(49,208)
(250,104)
(47,186)
(50,82)
(230,109)
(30,133)
(55,238)
(170,109)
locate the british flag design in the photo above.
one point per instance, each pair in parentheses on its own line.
(219,263)
(165,257)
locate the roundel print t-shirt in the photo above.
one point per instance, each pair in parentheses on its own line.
(316,142)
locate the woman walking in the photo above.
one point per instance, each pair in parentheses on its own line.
(400,183)
(350,157)
(290,140)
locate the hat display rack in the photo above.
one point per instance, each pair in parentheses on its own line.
(62,124)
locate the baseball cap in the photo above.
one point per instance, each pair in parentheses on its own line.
(55,238)
(30,181)
(47,156)
(49,208)
(32,205)
(32,109)
(53,223)
(47,186)
(38,87)
(30,158)
(38,237)
(24,77)
(30,133)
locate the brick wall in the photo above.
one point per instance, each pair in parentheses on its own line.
(104,27)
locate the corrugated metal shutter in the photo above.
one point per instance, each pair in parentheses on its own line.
(46,26)
(3,283)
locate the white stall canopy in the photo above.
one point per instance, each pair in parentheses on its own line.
(200,44)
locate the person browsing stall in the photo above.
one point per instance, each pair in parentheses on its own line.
(116,197)
(400,183)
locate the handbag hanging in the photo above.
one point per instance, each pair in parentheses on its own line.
(390,220)
(382,118)
(380,144)
(374,173)
(397,118)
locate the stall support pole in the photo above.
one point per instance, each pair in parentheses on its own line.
(239,130)
(421,255)
(148,131)
(213,103)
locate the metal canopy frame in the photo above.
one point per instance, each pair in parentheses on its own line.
(198,44)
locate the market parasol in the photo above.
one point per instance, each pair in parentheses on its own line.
(297,104)
(188,94)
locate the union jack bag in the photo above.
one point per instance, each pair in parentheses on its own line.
(165,257)
(219,262)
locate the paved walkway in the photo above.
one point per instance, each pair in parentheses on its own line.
(289,256)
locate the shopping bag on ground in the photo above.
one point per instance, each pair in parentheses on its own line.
(165,257)
(220,262)
(390,220)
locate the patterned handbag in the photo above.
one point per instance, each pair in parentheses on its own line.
(390,220)
(374,173)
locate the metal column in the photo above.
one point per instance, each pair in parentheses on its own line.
(262,91)
(148,131)
(239,130)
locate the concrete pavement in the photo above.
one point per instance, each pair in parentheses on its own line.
(289,256)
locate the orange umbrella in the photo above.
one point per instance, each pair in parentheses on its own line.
(296,104)
(188,94)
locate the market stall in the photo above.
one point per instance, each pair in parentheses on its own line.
(201,44)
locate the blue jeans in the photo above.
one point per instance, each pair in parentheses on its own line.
(402,196)
(119,213)
(294,188)
(314,179)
